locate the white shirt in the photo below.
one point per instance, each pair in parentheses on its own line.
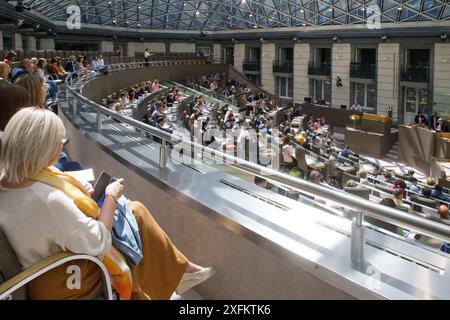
(287,154)
(39,221)
(356,107)
(147,54)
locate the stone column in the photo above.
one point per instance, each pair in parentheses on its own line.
(302,56)
(17,42)
(239,56)
(31,43)
(441,80)
(340,64)
(217,51)
(388,79)
(268,52)
(106,46)
(47,44)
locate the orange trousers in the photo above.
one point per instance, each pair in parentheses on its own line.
(156,277)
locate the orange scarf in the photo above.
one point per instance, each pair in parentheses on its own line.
(114,261)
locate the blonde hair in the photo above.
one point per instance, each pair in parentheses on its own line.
(5,70)
(30,139)
(34,86)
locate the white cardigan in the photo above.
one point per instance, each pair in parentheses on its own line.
(40,221)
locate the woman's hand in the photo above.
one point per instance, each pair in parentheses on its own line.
(115,189)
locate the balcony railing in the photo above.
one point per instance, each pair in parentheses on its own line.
(252,65)
(319,69)
(415,74)
(283,67)
(362,70)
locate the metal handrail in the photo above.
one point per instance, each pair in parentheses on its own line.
(358,205)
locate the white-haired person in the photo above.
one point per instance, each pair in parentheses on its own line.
(44,212)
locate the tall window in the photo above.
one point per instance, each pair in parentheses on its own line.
(365,95)
(256,79)
(285,87)
(322,91)
(416,100)
(254,54)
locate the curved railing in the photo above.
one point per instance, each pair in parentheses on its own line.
(74,86)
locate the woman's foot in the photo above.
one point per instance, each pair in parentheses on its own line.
(194,276)
(192,267)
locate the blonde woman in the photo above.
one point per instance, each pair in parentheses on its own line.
(44,212)
(5,70)
(155,86)
(35,87)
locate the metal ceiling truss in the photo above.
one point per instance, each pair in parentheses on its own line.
(218,15)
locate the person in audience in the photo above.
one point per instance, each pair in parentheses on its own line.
(356,106)
(431,182)
(443,212)
(86,63)
(412,185)
(308,144)
(26,67)
(315,177)
(95,64)
(155,86)
(426,193)
(35,87)
(147,56)
(79,65)
(287,152)
(400,184)
(13,97)
(10,56)
(351,184)
(382,175)
(362,175)
(438,193)
(260,182)
(159,112)
(101,62)
(433,123)
(345,153)
(53,69)
(70,64)
(41,67)
(398,199)
(420,119)
(443,125)
(5,70)
(55,219)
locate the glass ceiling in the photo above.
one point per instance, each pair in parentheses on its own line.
(214,15)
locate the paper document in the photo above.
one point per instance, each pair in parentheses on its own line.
(83,175)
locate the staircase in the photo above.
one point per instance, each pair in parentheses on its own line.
(392,155)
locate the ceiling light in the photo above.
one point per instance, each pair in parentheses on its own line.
(399,8)
(197,13)
(302,11)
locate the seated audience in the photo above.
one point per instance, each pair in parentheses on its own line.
(398,199)
(438,193)
(421,119)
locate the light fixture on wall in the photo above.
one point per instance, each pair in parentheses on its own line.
(335,38)
(444,37)
(384,37)
(261,39)
(295,39)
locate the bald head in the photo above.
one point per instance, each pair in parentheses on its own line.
(443,212)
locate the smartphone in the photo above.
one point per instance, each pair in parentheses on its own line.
(100,186)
